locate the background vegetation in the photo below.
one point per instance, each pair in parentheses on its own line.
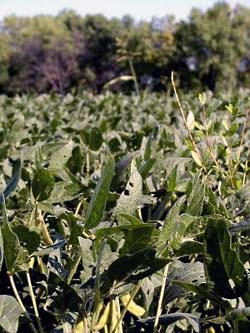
(208,51)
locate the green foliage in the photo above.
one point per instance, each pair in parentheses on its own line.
(16,256)
(209,50)
(222,261)
(98,201)
(9,313)
(109,200)
(42,184)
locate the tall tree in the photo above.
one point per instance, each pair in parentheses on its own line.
(210,47)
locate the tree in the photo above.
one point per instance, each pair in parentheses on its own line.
(147,49)
(210,50)
(4,59)
(210,47)
(98,57)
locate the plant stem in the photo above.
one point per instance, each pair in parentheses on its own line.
(87,163)
(245,174)
(196,149)
(77,209)
(209,144)
(33,299)
(13,286)
(159,308)
(132,69)
(242,136)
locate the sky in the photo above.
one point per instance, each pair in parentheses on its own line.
(139,9)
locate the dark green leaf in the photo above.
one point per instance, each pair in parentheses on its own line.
(103,233)
(133,267)
(42,184)
(95,138)
(172,179)
(188,248)
(28,239)
(146,167)
(223,265)
(137,239)
(131,219)
(203,291)
(98,200)
(16,257)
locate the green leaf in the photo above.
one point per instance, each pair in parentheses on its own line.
(146,167)
(233,129)
(238,314)
(191,272)
(169,225)
(222,262)
(131,197)
(188,248)
(172,180)
(99,198)
(29,239)
(42,184)
(63,191)
(87,258)
(59,158)
(195,200)
(146,148)
(10,312)
(131,219)
(179,230)
(213,204)
(167,319)
(137,239)
(95,138)
(12,184)
(117,232)
(122,165)
(132,267)
(230,108)
(240,319)
(203,291)
(16,257)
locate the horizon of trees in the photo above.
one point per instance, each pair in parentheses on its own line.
(209,50)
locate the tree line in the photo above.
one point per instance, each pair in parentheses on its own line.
(209,50)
